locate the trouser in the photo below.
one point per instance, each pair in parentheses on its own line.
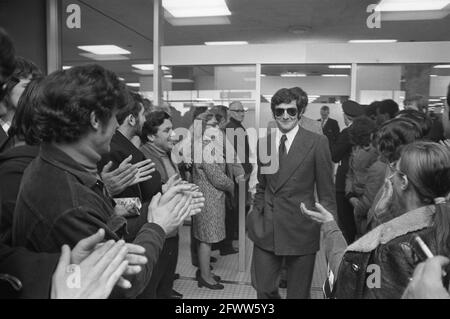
(346,220)
(194,245)
(267,266)
(161,281)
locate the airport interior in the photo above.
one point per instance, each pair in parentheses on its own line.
(347,58)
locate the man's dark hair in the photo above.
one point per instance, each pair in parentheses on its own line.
(221,112)
(197,111)
(393,135)
(7,55)
(24,69)
(153,122)
(23,125)
(135,103)
(70,96)
(325,108)
(389,107)
(361,130)
(302,100)
(422,119)
(286,96)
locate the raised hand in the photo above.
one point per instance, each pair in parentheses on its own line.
(426,282)
(170,214)
(172,181)
(321,215)
(94,277)
(118,180)
(145,169)
(87,246)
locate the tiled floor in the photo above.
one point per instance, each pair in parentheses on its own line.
(237,284)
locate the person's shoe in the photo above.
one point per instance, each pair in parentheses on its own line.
(203,283)
(213,259)
(216,277)
(176,295)
(283,284)
(176,276)
(228,251)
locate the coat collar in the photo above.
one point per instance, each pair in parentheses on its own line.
(414,220)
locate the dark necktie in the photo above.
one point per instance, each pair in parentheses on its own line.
(282,153)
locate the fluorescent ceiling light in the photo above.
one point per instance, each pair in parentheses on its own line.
(226,42)
(411,5)
(262,75)
(340,66)
(121,79)
(196,8)
(134,85)
(104,57)
(414,15)
(104,49)
(66,67)
(168,76)
(148,67)
(292,75)
(433,76)
(181,80)
(176,22)
(442,66)
(335,75)
(373,41)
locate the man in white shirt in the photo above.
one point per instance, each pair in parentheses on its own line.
(276,227)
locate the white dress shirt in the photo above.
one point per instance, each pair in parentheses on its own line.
(290,138)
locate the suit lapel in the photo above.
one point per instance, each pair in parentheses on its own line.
(300,148)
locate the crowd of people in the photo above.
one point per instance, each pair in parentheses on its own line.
(95,183)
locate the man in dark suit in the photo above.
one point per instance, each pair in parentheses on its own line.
(340,153)
(330,127)
(285,179)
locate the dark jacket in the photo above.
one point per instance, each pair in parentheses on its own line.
(13,163)
(275,223)
(233,125)
(379,264)
(340,152)
(120,149)
(31,272)
(331,130)
(60,202)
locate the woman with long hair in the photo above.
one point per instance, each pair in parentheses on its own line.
(381,263)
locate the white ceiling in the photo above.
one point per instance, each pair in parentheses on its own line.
(129,24)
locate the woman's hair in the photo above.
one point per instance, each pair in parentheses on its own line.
(23,124)
(422,119)
(427,166)
(205,118)
(393,135)
(70,96)
(361,130)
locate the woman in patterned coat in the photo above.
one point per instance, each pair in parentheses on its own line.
(210,175)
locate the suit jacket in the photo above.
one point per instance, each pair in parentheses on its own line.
(310,125)
(331,130)
(276,223)
(340,152)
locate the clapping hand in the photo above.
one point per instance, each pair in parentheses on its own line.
(94,277)
(118,180)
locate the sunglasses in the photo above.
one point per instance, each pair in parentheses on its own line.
(292,111)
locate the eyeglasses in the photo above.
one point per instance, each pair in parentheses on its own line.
(292,111)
